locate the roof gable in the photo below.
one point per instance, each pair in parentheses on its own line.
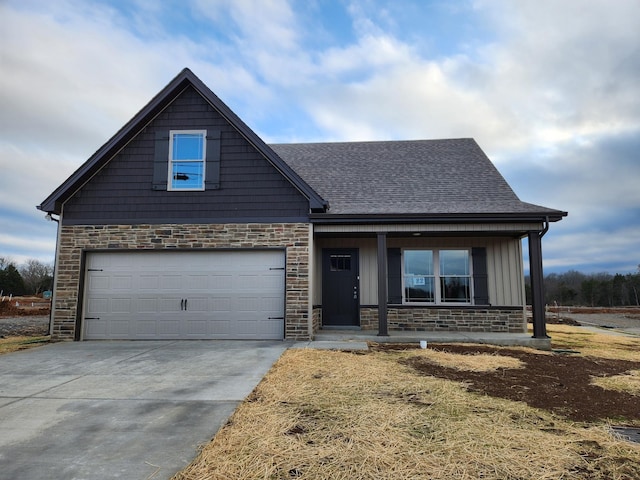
(183,80)
(419,177)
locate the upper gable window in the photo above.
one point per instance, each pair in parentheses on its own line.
(187,159)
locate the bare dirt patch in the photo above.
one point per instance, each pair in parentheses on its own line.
(24,307)
(559,383)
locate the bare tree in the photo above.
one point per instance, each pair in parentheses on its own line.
(6,261)
(36,275)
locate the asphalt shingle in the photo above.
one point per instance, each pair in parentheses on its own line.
(451,176)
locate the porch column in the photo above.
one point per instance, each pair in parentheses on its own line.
(382,285)
(537,286)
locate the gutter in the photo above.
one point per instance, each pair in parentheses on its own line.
(436,218)
(546,227)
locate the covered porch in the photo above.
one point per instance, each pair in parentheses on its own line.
(355,265)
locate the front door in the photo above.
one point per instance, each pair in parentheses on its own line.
(340,288)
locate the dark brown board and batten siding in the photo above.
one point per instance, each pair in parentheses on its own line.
(250,188)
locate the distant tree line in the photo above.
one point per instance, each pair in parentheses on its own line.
(31,278)
(590,290)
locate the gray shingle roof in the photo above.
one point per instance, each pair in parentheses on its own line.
(429,177)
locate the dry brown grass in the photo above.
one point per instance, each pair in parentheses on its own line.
(629,383)
(337,415)
(594,344)
(13,344)
(471,363)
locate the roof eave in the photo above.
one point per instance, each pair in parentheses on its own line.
(327,218)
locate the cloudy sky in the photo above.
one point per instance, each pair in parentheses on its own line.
(549,89)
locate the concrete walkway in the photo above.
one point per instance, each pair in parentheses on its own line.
(121,410)
(357,339)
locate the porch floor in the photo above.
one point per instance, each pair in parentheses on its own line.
(357,339)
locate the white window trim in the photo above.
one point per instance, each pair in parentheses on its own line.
(436,275)
(204,160)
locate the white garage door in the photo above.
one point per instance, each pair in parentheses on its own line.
(185,295)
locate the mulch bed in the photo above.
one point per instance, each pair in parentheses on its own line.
(559,383)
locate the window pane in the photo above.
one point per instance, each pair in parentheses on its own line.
(455,289)
(418,262)
(340,263)
(454,262)
(188,146)
(186,175)
(418,288)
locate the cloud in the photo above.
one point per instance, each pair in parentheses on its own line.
(549,89)
(593,252)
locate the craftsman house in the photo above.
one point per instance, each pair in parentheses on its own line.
(186,225)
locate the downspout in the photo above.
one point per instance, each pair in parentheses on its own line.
(50,218)
(311,283)
(383,327)
(546,227)
(537,281)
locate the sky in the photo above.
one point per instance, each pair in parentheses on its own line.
(549,89)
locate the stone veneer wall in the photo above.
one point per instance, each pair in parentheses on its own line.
(74,240)
(451,319)
(317,318)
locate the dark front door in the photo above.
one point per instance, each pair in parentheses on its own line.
(340,288)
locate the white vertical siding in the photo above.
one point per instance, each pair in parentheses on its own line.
(504,268)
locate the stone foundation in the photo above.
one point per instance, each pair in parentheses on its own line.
(447,319)
(76,240)
(316,319)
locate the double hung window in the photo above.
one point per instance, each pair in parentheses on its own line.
(436,276)
(187,152)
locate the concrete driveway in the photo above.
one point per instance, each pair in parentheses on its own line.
(131,410)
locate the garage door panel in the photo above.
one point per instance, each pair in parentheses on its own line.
(220,304)
(96,327)
(170,282)
(168,305)
(122,282)
(145,327)
(220,281)
(271,304)
(197,304)
(120,305)
(247,304)
(118,327)
(169,327)
(218,327)
(97,306)
(195,328)
(149,282)
(98,282)
(197,282)
(147,305)
(228,295)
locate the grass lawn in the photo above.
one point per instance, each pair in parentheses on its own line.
(13,344)
(390,414)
